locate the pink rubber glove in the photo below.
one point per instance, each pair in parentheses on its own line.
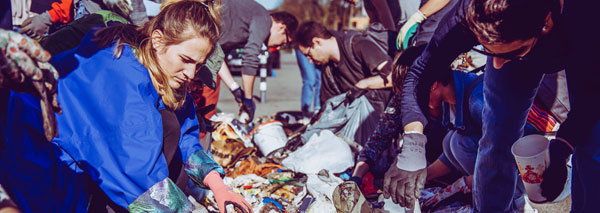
(224,195)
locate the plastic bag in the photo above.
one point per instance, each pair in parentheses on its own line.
(322,151)
(356,121)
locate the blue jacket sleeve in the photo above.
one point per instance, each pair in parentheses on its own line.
(452,37)
(197,162)
(110,123)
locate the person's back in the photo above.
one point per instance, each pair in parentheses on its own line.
(243,21)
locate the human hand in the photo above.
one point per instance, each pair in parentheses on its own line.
(24,67)
(294,143)
(415,19)
(37,26)
(353,94)
(405,179)
(555,175)
(224,195)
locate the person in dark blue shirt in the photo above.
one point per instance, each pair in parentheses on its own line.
(523,40)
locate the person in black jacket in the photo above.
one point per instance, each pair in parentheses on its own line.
(351,59)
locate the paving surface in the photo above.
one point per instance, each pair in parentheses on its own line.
(283,91)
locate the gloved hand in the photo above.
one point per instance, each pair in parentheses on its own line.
(248,107)
(238,94)
(353,94)
(405,179)
(37,26)
(416,18)
(121,7)
(555,175)
(294,143)
(24,67)
(224,195)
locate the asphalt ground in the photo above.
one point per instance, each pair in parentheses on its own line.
(283,90)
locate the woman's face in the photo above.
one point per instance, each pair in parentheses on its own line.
(180,61)
(440,93)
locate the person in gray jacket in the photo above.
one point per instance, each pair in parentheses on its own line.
(248,25)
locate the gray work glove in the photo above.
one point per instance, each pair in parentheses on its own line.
(405,179)
(37,26)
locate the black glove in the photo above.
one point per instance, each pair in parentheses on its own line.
(555,175)
(238,94)
(249,108)
(294,143)
(353,94)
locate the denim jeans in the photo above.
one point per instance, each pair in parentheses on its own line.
(311,83)
(460,152)
(508,93)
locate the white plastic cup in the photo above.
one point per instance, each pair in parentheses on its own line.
(270,136)
(532,156)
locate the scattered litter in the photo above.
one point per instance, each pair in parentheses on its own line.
(322,151)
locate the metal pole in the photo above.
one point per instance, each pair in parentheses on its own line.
(263,73)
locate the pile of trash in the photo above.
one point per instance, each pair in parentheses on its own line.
(290,163)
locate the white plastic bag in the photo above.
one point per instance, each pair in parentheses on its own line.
(323,184)
(322,151)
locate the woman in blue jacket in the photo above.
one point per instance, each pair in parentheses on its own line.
(128,131)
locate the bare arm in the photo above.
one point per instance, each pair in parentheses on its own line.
(361,169)
(227,78)
(433,6)
(376,81)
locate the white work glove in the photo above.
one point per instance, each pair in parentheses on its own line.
(416,18)
(122,7)
(405,179)
(37,26)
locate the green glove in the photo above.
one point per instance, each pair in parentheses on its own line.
(37,27)
(121,7)
(415,19)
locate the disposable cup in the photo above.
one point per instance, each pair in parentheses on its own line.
(532,157)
